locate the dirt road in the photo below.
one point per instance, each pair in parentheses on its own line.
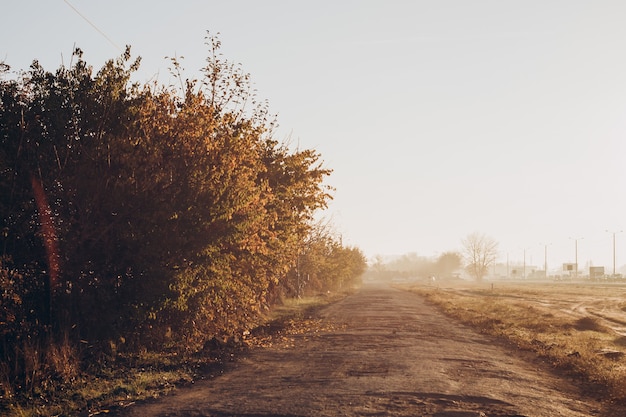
(390,354)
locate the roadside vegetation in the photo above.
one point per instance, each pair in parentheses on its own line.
(146,226)
(413,266)
(578,330)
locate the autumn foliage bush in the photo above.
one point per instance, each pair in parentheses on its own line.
(147,217)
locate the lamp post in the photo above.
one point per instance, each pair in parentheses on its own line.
(576,239)
(614,233)
(524,274)
(545,258)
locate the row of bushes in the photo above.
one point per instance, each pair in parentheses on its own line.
(154,217)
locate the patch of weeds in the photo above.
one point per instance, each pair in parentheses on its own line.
(110,381)
(620,341)
(589,324)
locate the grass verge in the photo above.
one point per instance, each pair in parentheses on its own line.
(127,379)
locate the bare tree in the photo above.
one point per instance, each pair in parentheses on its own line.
(480,252)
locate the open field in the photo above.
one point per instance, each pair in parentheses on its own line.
(578,328)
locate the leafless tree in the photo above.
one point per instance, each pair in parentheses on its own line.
(480,252)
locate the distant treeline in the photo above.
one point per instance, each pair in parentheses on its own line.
(148,216)
(411,265)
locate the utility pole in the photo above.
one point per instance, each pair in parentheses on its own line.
(614,233)
(545,259)
(576,259)
(524,274)
(576,239)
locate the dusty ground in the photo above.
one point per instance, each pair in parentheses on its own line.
(379,352)
(605,302)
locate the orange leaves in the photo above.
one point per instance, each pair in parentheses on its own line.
(177,207)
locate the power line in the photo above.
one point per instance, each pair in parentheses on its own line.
(92,25)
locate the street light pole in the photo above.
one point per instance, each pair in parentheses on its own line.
(576,259)
(576,254)
(614,249)
(545,259)
(524,275)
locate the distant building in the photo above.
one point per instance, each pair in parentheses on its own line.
(596,272)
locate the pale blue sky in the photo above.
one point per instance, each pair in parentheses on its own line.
(439,118)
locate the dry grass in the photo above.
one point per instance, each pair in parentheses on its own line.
(301,306)
(118,386)
(577,329)
(127,378)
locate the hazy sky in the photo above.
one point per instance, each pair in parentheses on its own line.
(439,118)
